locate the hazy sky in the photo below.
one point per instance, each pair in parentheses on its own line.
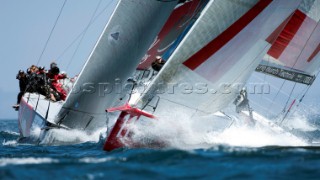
(25,29)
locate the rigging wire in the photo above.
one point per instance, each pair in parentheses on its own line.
(306,92)
(83,35)
(54,26)
(286,112)
(285,106)
(75,40)
(268,62)
(274,98)
(292,67)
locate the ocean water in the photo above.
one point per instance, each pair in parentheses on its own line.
(88,161)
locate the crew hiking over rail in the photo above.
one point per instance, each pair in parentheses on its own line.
(44,82)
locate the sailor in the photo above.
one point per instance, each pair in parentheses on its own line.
(54,69)
(32,79)
(158,63)
(43,87)
(54,77)
(241,101)
(34,69)
(23,81)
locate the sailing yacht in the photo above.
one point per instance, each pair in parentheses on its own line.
(124,41)
(210,65)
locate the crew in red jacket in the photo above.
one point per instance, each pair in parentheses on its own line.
(54,75)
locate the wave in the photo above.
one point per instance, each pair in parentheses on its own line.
(91,160)
(10,143)
(24,161)
(67,137)
(189,134)
(9,134)
(9,138)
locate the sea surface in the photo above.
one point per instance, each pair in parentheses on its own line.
(89,161)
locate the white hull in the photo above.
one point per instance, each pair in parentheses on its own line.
(36,113)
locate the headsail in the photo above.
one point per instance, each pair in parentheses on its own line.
(294,52)
(291,65)
(124,41)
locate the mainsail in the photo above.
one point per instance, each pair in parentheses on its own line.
(124,41)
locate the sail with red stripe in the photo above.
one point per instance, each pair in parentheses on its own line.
(295,51)
(220,54)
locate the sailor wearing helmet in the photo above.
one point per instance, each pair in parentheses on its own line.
(158,63)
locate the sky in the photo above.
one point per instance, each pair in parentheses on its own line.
(25,38)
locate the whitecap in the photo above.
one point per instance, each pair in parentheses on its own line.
(24,161)
(96,160)
(10,143)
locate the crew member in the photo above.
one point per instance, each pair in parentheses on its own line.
(23,82)
(158,63)
(54,77)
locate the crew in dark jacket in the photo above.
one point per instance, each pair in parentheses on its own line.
(23,83)
(158,63)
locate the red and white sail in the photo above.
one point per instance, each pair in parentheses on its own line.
(297,47)
(291,63)
(219,53)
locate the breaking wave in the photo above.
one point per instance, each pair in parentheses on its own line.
(9,138)
(208,132)
(66,137)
